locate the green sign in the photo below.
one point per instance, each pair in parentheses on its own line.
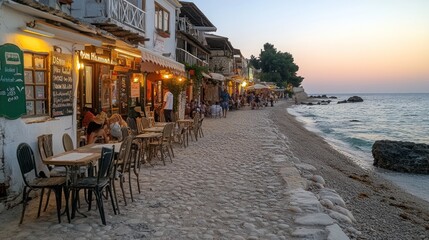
(12,87)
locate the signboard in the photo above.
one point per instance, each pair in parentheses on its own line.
(62,85)
(12,87)
(135,89)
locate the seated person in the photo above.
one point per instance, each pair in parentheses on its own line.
(216,110)
(87,117)
(115,123)
(96,128)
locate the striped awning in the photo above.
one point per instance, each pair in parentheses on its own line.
(152,61)
(217,76)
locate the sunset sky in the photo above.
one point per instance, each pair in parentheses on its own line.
(359,46)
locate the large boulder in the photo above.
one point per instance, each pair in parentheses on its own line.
(355,99)
(401,156)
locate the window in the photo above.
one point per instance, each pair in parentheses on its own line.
(162,19)
(36,83)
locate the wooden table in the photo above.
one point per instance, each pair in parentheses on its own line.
(144,140)
(96,147)
(72,160)
(160,124)
(153,129)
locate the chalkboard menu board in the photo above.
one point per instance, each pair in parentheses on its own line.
(12,87)
(62,85)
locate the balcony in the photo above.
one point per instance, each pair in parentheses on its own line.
(185,26)
(118,17)
(184,56)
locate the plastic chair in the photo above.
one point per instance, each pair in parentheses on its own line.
(98,184)
(27,165)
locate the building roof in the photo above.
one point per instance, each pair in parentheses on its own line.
(194,14)
(216,42)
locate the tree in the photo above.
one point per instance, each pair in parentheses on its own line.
(276,66)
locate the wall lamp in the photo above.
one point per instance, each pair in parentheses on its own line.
(37,32)
(128,53)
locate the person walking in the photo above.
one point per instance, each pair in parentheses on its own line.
(167,105)
(224,97)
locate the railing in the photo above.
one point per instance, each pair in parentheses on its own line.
(184,56)
(185,26)
(126,13)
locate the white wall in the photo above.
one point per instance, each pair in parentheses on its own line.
(21,129)
(170,42)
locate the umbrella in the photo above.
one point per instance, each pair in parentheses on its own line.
(257,86)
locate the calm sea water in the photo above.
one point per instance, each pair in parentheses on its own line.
(352,129)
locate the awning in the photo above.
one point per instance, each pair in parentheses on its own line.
(206,75)
(152,62)
(217,76)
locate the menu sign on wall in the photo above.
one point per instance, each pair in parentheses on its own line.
(12,87)
(62,85)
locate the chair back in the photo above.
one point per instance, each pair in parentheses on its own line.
(105,165)
(26,161)
(146,111)
(139,125)
(67,142)
(125,153)
(125,132)
(145,123)
(44,143)
(161,116)
(168,130)
(132,124)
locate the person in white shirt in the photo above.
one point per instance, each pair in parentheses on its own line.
(216,110)
(167,105)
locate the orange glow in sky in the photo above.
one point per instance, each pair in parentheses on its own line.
(340,46)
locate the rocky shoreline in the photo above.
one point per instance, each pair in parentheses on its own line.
(381,210)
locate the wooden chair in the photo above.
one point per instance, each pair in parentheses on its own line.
(200,127)
(132,125)
(149,115)
(67,142)
(139,125)
(193,129)
(97,184)
(145,123)
(122,166)
(27,165)
(164,144)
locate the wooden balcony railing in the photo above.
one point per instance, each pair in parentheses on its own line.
(184,25)
(126,13)
(184,56)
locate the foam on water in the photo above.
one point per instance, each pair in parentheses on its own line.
(354,127)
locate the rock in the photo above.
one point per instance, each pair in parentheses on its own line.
(401,156)
(308,233)
(355,99)
(320,219)
(327,203)
(318,179)
(332,196)
(344,211)
(340,217)
(351,100)
(335,233)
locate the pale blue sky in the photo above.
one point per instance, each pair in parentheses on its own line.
(339,45)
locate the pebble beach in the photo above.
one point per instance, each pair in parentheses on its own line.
(256,174)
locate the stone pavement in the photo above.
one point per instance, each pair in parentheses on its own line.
(240,181)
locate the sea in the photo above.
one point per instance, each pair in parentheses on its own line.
(352,128)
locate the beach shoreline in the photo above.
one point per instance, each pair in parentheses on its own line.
(382,209)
